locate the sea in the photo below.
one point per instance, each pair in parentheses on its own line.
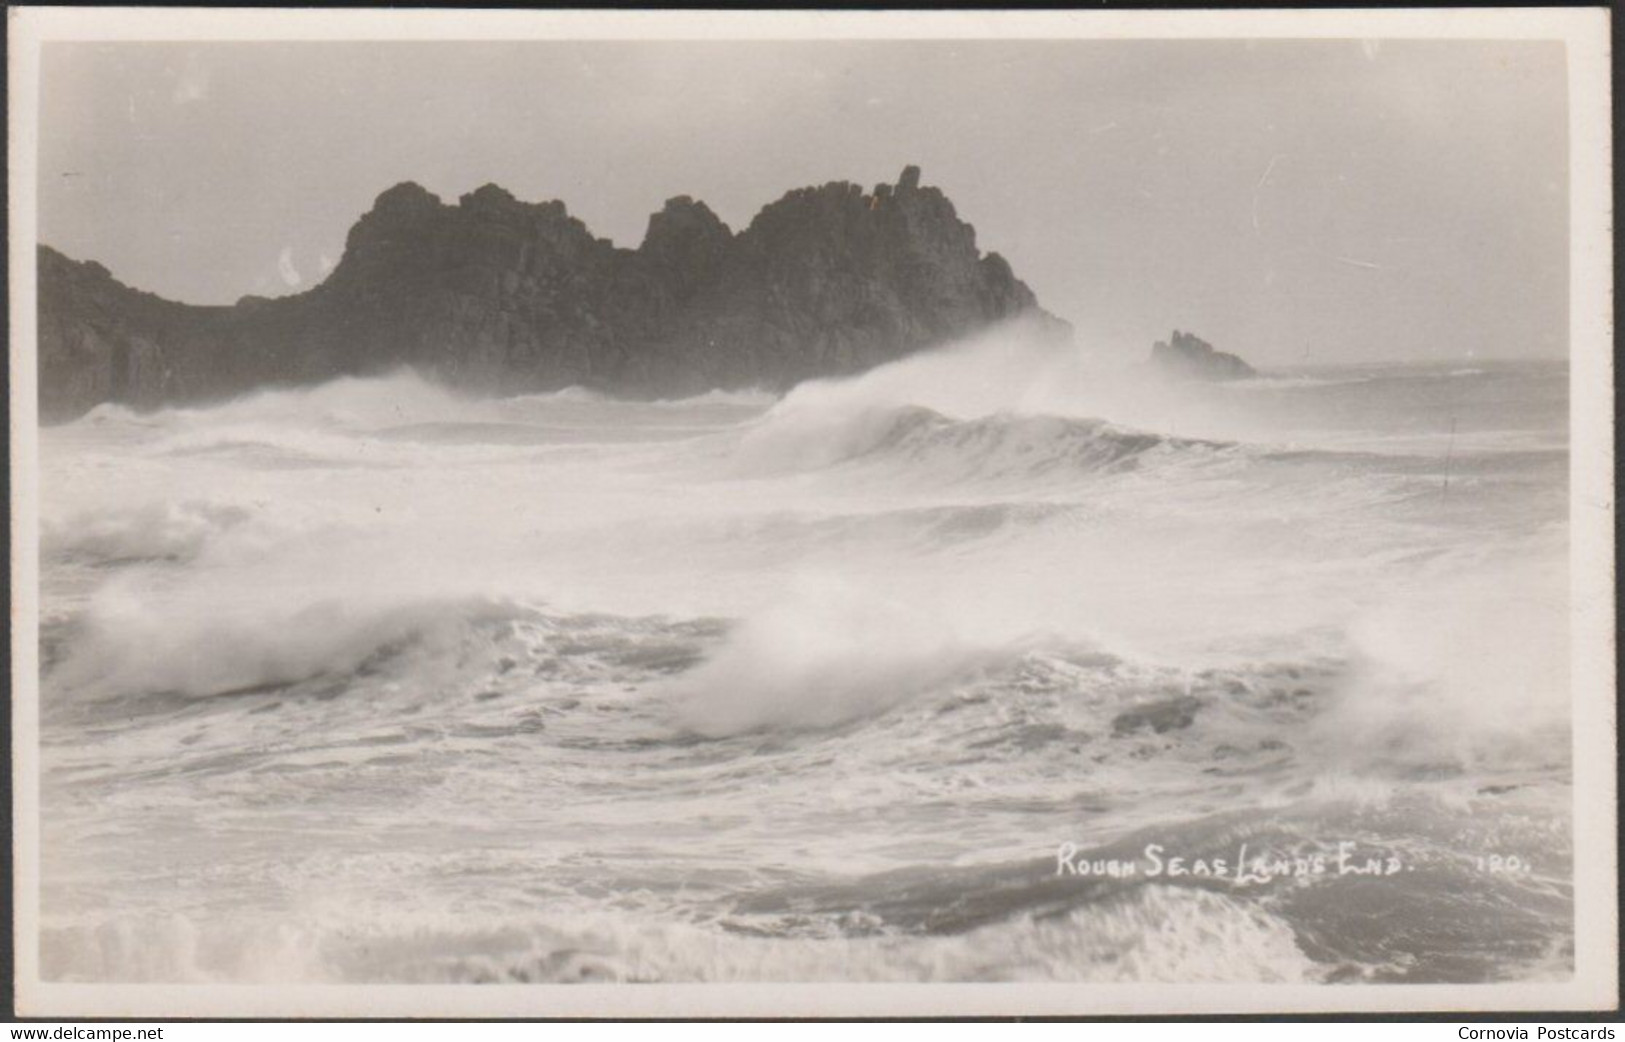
(996,663)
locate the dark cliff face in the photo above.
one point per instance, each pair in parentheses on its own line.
(1187,357)
(499,295)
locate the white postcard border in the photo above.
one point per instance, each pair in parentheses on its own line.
(1594,986)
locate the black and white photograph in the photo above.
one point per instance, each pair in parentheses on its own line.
(795,515)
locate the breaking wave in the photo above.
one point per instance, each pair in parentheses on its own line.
(1158,934)
(558,687)
(919,441)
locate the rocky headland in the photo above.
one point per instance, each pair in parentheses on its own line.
(498,295)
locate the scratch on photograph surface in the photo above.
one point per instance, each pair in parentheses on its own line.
(1259,188)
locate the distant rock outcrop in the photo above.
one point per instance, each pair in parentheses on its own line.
(499,295)
(1187,357)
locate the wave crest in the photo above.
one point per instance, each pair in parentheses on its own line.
(923,441)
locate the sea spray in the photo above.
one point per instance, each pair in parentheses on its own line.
(374,682)
(830,652)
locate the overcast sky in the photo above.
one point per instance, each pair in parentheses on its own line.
(1295,202)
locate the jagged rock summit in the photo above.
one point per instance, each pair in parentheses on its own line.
(499,295)
(1187,357)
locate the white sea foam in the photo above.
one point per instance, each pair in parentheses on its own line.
(1456,670)
(514,655)
(1157,934)
(830,652)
